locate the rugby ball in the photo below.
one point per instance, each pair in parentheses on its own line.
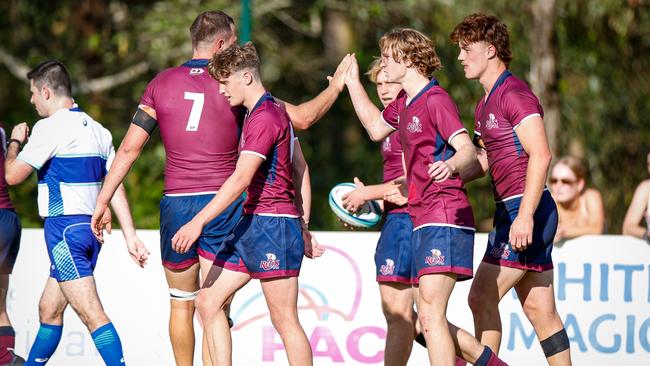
(368,216)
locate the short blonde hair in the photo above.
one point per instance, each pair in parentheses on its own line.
(373,70)
(413,48)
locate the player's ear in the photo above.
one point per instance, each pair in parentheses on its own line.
(248,77)
(491,51)
(46,92)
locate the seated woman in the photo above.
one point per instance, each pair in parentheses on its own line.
(639,210)
(580,209)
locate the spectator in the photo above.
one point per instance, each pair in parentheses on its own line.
(639,209)
(580,209)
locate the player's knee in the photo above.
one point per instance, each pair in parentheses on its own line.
(556,343)
(397,316)
(50,314)
(538,313)
(206,307)
(475,302)
(283,320)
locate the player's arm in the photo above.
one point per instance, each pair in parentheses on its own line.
(464,158)
(142,125)
(532,136)
(235,185)
(355,199)
(367,112)
(302,183)
(16,170)
(637,210)
(306,114)
(134,245)
(478,168)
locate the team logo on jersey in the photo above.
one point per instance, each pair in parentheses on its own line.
(386,144)
(388,268)
(503,251)
(415,125)
(491,122)
(196,71)
(435,259)
(271,262)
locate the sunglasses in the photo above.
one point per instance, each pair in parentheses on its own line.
(562,180)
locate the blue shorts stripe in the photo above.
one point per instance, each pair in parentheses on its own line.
(64,262)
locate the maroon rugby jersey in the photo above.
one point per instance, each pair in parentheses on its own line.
(391,152)
(510,103)
(198,127)
(5,201)
(268,134)
(426,125)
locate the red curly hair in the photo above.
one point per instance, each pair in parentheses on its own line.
(487,28)
(413,48)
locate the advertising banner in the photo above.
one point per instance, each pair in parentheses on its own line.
(601,285)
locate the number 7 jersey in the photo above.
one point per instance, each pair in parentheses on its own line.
(198,127)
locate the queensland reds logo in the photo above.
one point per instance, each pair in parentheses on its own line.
(271,262)
(388,268)
(414,125)
(491,122)
(435,259)
(503,251)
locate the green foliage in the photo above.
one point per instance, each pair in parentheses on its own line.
(602,68)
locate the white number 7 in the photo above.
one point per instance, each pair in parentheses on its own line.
(195,113)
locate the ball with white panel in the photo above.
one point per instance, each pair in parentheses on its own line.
(367,216)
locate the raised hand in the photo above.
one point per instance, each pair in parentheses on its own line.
(338,79)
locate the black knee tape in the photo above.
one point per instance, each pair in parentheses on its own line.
(556,343)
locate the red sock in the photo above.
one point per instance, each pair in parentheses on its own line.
(7,342)
(495,361)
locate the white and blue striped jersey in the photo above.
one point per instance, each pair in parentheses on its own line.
(72,154)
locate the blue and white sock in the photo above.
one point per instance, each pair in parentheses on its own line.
(45,344)
(108,344)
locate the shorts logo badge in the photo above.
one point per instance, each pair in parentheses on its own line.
(503,251)
(491,122)
(435,259)
(271,262)
(415,125)
(388,268)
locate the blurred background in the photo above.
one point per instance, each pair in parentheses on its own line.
(587,60)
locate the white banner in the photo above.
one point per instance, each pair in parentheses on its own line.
(602,289)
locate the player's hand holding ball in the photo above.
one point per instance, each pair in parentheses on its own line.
(352,201)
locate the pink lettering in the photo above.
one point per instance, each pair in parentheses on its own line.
(331,348)
(355,338)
